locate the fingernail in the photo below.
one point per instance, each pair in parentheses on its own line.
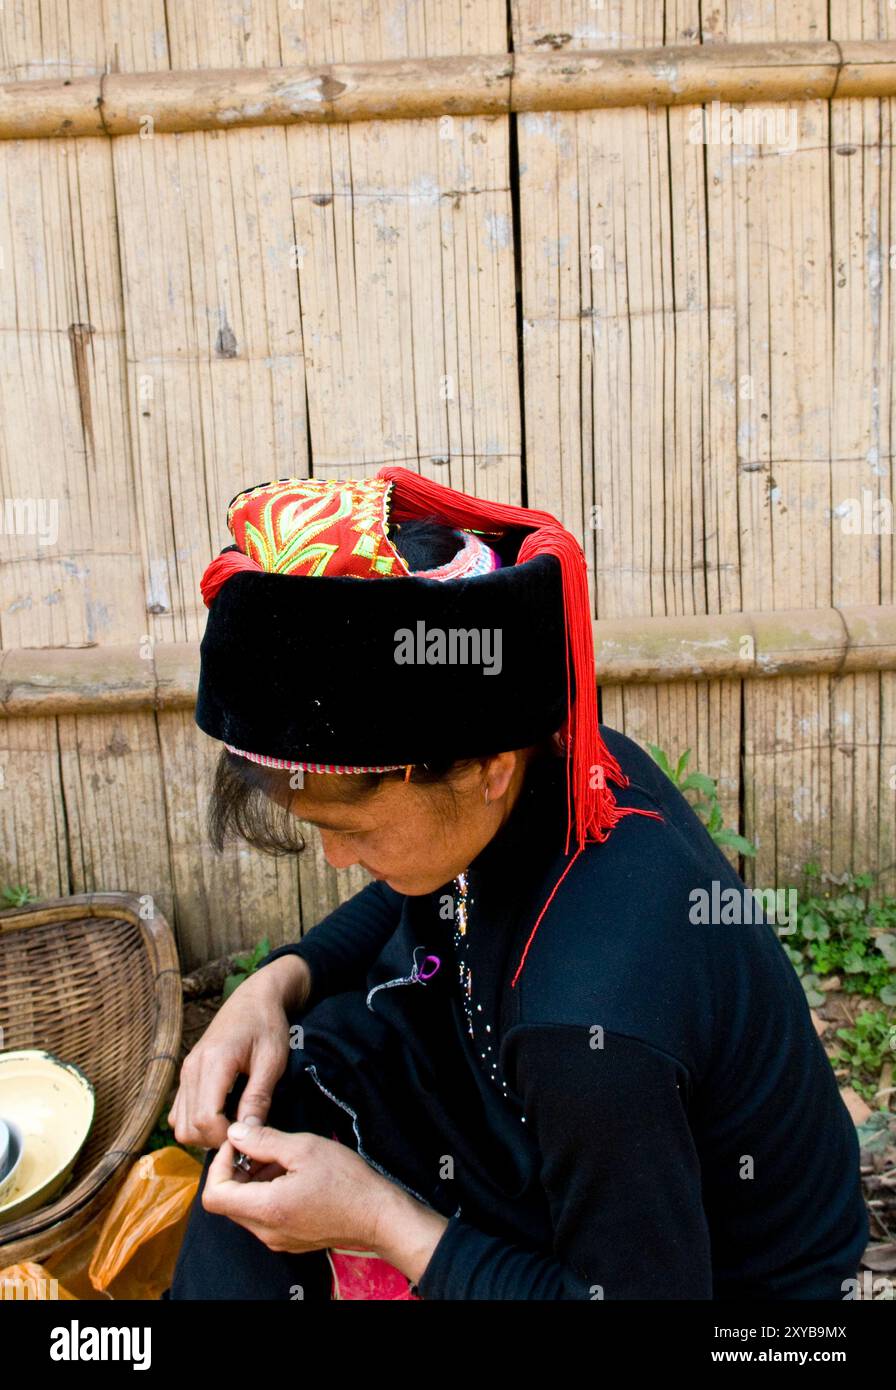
(250,1120)
(238,1131)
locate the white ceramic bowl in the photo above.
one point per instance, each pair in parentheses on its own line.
(12,1151)
(51,1103)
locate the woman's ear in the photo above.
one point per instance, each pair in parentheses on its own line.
(497,772)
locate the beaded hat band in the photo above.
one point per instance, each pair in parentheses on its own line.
(311,767)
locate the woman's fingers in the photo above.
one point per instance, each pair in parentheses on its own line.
(173,1116)
(179,1113)
(265,1070)
(252,1038)
(267,1172)
(204,1120)
(249,1203)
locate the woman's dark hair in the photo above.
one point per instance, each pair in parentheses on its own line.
(426,543)
(241,803)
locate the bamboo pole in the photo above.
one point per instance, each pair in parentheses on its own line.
(210,99)
(794,642)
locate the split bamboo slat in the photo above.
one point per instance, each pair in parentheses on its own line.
(243,239)
(170,103)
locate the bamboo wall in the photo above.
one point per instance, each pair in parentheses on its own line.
(684,350)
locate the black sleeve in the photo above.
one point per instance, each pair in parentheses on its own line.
(341,948)
(620,1171)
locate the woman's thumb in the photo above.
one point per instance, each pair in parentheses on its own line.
(261,1142)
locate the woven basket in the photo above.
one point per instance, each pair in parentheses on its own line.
(90,980)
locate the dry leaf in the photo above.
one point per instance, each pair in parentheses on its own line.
(880,1258)
(855,1105)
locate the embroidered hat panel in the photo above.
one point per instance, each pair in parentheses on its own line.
(316,526)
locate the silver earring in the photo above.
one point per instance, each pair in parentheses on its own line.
(486,796)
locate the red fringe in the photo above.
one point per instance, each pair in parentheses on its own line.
(221,568)
(590,764)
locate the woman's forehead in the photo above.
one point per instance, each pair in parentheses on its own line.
(320,801)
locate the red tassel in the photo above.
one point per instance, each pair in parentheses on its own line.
(221,568)
(590,764)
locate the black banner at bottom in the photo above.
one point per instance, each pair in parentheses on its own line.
(262,1340)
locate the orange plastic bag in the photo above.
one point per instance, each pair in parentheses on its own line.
(135,1252)
(69,1262)
(140,1238)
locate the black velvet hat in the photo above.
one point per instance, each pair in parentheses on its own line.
(323,651)
(339,671)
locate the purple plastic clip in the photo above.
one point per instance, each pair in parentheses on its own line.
(422,976)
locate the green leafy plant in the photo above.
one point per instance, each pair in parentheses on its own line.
(845,933)
(161,1137)
(17,896)
(868,1043)
(245,965)
(709,808)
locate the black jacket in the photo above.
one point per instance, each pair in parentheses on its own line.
(648,1113)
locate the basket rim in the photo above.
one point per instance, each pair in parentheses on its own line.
(157,939)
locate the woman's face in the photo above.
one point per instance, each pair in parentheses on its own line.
(414,837)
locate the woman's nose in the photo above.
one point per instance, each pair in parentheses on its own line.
(337,851)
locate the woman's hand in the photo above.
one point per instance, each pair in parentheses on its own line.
(312,1193)
(249,1035)
(309,1193)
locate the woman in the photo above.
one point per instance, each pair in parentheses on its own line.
(521,1070)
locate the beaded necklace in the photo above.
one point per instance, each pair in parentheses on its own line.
(462,900)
